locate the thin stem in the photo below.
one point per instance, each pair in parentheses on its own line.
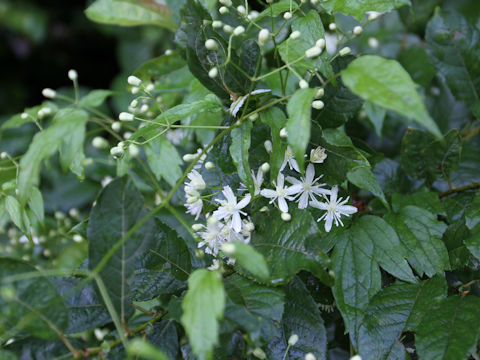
(472,186)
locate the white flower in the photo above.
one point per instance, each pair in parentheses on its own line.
(257,180)
(290,160)
(211,44)
(72,75)
(318,156)
(196,181)
(281,193)
(263,36)
(49,93)
(194,208)
(212,237)
(309,187)
(134,81)
(230,209)
(334,209)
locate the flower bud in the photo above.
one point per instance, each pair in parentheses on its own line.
(265,167)
(49,93)
(116,126)
(264,209)
(259,354)
(72,74)
(268,146)
(216,24)
(225,2)
(253,117)
(197,227)
(313,52)
(192,199)
(314,2)
(99,142)
(287,15)
(249,226)
(189,157)
(227,28)
(125,116)
(303,84)
(318,104)
(134,81)
(373,42)
(133,150)
(127,135)
(3,155)
(213,73)
(345,51)
(356,357)
(287,217)
(209,165)
(292,340)
(117,152)
(223,10)
(263,36)
(229,249)
(24,116)
(310,356)
(253,15)
(211,44)
(321,43)
(168,52)
(135,90)
(332,26)
(238,30)
(77,238)
(373,15)
(241,9)
(212,220)
(357,30)
(283,133)
(150,87)
(295,35)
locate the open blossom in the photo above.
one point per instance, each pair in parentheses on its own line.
(309,187)
(212,237)
(334,208)
(196,181)
(195,208)
(290,160)
(281,193)
(230,209)
(318,156)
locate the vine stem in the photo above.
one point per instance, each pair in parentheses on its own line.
(472,186)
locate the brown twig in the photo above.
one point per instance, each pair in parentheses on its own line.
(472,186)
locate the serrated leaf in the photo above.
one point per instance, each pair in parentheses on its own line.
(311,28)
(424,199)
(454,48)
(299,109)
(239,152)
(376,115)
(165,337)
(95,98)
(150,284)
(35,203)
(15,211)
(420,233)
(275,118)
(473,244)
(250,260)
(203,307)
(450,329)
(393,310)
(358,8)
(390,86)
(253,307)
(363,177)
(303,318)
(164,160)
(472,213)
(130,13)
(284,245)
(277,8)
(140,347)
(160,66)
(118,208)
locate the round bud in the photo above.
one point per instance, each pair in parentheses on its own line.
(313,52)
(117,152)
(238,30)
(227,28)
(241,9)
(259,353)
(283,133)
(24,116)
(216,24)
(134,103)
(49,93)
(143,109)
(3,155)
(213,73)
(59,215)
(345,51)
(99,142)
(253,15)
(135,90)
(265,167)
(197,227)
(47,253)
(150,87)
(77,238)
(310,356)
(46,110)
(226,2)
(263,209)
(253,117)
(125,116)
(189,157)
(211,44)
(357,30)
(133,150)
(249,226)
(134,81)
(223,10)
(73,212)
(373,42)
(228,248)
(263,36)
(303,84)
(192,199)
(72,74)
(332,26)
(286,217)
(292,340)
(212,220)
(209,165)
(320,92)
(295,35)
(268,146)
(168,52)
(287,15)
(127,135)
(373,15)
(320,43)
(318,104)
(116,126)
(356,357)
(314,2)
(87,162)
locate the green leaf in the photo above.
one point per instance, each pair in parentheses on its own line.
(203,307)
(144,349)
(253,307)
(284,245)
(311,28)
(277,8)
(163,65)
(250,260)
(118,208)
(36,204)
(95,98)
(363,178)
(472,214)
(390,86)
(370,242)
(424,199)
(450,329)
(303,318)
(454,48)
(421,233)
(376,115)
(299,109)
(66,124)
(275,118)
(239,152)
(392,311)
(15,211)
(415,60)
(358,8)
(164,160)
(130,13)
(473,244)
(31,303)
(425,157)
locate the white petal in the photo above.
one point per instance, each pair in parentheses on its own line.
(236,222)
(280,180)
(294,189)
(347,209)
(294,164)
(268,193)
(303,201)
(228,193)
(310,173)
(293,180)
(334,194)
(328,222)
(282,204)
(244,202)
(319,205)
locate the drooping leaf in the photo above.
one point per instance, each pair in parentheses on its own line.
(275,118)
(424,199)
(150,284)
(164,160)
(450,329)
(376,115)
(299,109)
(155,68)
(95,98)
(36,204)
(415,60)
(239,152)
(363,177)
(358,8)
(303,318)
(472,213)
(250,260)
(390,86)
(140,347)
(420,233)
(203,307)
(165,337)
(118,208)
(393,310)
(130,13)
(15,211)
